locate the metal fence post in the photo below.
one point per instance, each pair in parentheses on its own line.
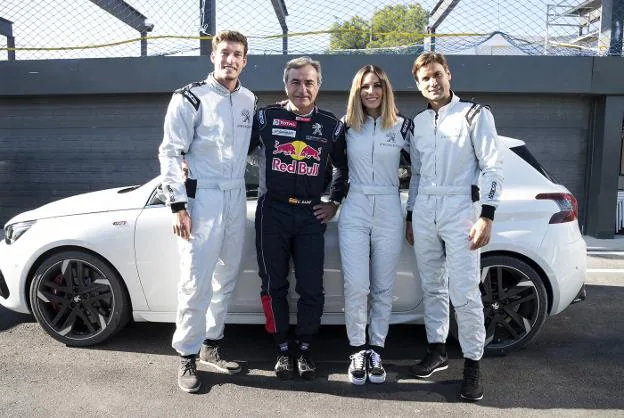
(6,29)
(208,12)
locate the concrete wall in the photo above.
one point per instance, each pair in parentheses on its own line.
(72,126)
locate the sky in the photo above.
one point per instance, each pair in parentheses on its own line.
(49,23)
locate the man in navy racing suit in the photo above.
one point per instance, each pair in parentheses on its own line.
(296,142)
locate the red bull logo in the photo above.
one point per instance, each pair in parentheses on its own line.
(286,149)
(299,151)
(309,152)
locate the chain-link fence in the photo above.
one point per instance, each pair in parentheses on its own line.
(45,29)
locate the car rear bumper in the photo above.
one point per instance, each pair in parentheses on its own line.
(565,253)
(582,295)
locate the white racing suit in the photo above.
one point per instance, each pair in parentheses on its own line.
(370,227)
(453,149)
(211,128)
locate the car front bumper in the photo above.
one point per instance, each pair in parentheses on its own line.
(12,294)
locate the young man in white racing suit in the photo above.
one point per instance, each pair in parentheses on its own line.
(209,125)
(455,146)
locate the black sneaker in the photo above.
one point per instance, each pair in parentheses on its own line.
(188,380)
(376,371)
(284,367)
(433,362)
(357,368)
(211,356)
(306,366)
(471,387)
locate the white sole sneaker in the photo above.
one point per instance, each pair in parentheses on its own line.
(438,369)
(466,398)
(355,380)
(377,379)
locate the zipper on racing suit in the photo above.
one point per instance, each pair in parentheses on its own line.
(435,160)
(373,151)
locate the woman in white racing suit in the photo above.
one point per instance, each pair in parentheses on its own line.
(370,225)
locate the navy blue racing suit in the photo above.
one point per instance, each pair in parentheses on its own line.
(294,152)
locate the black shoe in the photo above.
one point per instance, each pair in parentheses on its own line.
(306,366)
(188,380)
(285,367)
(376,371)
(471,388)
(433,362)
(357,367)
(211,356)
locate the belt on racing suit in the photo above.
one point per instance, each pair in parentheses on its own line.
(472,191)
(192,185)
(293,200)
(371,189)
(221,184)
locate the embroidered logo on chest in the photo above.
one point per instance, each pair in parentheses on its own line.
(391,137)
(246,115)
(317,129)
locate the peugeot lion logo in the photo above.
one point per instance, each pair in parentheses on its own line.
(316,129)
(246,116)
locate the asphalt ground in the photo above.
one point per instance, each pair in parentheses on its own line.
(574,368)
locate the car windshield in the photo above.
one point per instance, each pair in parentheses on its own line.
(524,153)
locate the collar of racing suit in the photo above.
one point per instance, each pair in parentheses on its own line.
(369,118)
(307,115)
(448,106)
(218,87)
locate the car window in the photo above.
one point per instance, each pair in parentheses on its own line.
(157,197)
(524,153)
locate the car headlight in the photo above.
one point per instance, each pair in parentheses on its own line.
(14,231)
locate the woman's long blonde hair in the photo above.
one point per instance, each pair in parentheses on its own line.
(355,109)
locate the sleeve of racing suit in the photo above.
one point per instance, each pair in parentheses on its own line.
(178,134)
(407,131)
(415,179)
(338,158)
(257,126)
(254,154)
(488,151)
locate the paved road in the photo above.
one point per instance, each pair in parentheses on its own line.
(574,368)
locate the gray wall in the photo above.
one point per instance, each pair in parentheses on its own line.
(73,126)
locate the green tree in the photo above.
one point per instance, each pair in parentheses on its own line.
(391,26)
(352,34)
(398,25)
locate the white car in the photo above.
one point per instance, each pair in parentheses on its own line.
(87,264)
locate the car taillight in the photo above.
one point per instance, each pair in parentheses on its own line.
(568,207)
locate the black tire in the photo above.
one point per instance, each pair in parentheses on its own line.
(515,304)
(78,312)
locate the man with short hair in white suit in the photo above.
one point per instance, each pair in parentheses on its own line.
(455,147)
(209,124)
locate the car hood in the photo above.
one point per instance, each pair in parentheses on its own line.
(121,198)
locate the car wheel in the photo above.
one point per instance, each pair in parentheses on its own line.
(78,299)
(515,304)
